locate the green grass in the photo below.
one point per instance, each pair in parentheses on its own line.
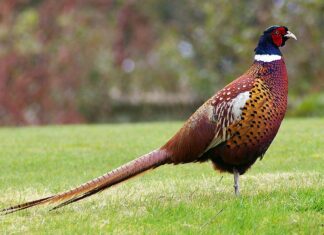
(282,194)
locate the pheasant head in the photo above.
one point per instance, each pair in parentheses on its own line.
(273,38)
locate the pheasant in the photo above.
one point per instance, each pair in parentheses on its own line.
(232,129)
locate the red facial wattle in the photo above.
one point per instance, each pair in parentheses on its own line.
(277,35)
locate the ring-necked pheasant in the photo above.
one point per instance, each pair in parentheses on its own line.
(232,129)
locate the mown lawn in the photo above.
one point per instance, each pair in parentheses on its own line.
(282,194)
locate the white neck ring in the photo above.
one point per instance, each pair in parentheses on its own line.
(267,58)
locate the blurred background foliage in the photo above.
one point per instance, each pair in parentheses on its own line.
(73,61)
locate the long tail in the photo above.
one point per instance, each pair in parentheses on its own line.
(148,161)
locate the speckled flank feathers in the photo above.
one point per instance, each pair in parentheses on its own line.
(250,137)
(232,129)
(236,139)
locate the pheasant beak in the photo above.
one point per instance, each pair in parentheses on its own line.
(290,35)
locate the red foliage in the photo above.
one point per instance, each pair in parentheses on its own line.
(32,91)
(42,87)
(134,32)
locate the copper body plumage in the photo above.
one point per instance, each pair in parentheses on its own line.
(245,139)
(232,129)
(250,137)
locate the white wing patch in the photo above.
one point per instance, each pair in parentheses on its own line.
(238,103)
(225,113)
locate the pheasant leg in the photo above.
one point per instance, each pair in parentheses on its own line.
(236,182)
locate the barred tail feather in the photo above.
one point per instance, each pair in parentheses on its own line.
(148,161)
(23,206)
